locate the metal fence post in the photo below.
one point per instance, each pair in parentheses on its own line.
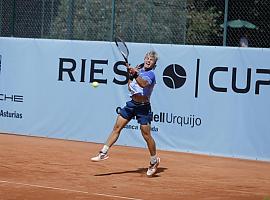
(70,17)
(113,20)
(13,18)
(151,5)
(42,18)
(1,9)
(51,16)
(225,23)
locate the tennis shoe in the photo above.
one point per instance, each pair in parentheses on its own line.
(152,169)
(101,156)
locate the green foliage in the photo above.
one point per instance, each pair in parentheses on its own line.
(202,25)
(136,21)
(151,21)
(58,27)
(155,21)
(90,19)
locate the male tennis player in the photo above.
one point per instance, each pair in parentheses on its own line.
(141,84)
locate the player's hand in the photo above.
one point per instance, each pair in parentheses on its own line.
(132,70)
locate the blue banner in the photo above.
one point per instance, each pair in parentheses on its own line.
(208,100)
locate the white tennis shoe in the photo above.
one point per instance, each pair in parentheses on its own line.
(152,169)
(101,156)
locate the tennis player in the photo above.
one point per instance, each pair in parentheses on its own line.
(141,84)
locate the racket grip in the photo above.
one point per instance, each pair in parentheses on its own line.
(130,76)
(133,72)
(135,75)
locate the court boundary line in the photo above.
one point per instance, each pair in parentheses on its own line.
(68,190)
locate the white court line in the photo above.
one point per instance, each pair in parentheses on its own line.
(107,195)
(46,187)
(68,190)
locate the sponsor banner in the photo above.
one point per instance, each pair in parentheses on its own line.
(209,100)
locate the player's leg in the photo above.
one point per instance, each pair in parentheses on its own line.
(118,126)
(144,117)
(146,133)
(125,115)
(154,160)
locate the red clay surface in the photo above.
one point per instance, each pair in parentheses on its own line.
(33,168)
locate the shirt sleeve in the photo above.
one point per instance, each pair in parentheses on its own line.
(149,77)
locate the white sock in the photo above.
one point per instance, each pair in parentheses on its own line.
(105,149)
(153,159)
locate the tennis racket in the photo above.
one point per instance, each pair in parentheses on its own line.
(122,47)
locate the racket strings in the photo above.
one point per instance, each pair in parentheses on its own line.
(123,49)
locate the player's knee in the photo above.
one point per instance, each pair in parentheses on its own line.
(146,135)
(117,130)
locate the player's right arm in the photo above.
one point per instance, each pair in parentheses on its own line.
(131,72)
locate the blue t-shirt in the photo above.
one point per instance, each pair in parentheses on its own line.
(149,76)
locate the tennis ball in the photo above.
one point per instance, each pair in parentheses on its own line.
(95,84)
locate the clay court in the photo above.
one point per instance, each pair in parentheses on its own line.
(33,168)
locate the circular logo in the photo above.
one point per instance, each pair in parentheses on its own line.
(174,76)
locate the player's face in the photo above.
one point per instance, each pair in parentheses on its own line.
(149,62)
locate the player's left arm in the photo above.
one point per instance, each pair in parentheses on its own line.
(142,82)
(146,79)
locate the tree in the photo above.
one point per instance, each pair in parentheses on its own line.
(155,21)
(88,20)
(202,24)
